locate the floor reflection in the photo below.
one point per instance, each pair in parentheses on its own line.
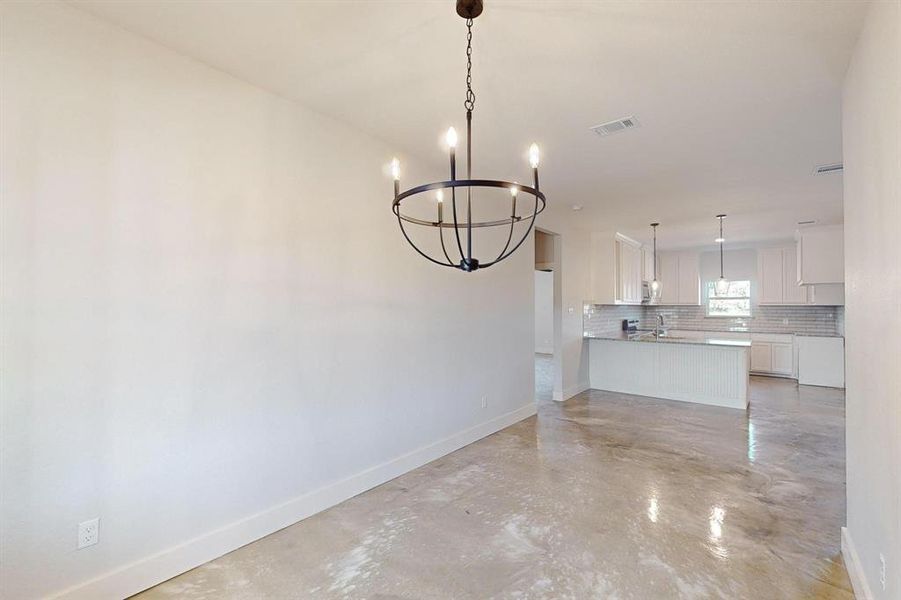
(602,496)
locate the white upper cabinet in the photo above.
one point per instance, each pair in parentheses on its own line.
(820,255)
(647,263)
(616,269)
(680,277)
(689,278)
(629,272)
(777,281)
(792,292)
(776,277)
(770,276)
(668,269)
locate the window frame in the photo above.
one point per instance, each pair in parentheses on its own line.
(711,296)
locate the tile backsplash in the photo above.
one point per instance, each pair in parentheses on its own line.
(814,320)
(607,318)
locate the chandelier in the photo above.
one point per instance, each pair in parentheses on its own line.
(463,229)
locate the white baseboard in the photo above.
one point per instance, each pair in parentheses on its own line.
(147,572)
(855,569)
(573,390)
(544,350)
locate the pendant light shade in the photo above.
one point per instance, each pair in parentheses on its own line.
(721,286)
(656,288)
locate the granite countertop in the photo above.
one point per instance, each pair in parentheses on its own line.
(830,335)
(710,339)
(768,332)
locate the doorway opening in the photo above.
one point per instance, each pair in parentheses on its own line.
(548,313)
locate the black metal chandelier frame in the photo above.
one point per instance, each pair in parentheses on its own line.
(469,10)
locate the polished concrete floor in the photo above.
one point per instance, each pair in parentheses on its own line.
(603,496)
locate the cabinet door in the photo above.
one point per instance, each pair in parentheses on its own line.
(647,264)
(635,275)
(771,275)
(821,255)
(792,292)
(630,273)
(782,359)
(689,278)
(668,267)
(761,357)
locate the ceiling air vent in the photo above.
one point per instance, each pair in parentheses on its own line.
(823,169)
(605,129)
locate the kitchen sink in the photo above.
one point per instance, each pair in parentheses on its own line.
(661,335)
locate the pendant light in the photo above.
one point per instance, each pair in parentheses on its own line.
(721,287)
(463,258)
(655,285)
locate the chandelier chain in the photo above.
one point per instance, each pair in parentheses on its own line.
(470,101)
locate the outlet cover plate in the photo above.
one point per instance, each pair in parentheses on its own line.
(88,533)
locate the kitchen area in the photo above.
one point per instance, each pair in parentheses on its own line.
(693,324)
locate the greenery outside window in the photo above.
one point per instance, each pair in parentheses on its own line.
(736,303)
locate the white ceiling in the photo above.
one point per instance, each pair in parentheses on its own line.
(738,101)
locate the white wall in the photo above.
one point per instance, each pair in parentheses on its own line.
(544,312)
(871,131)
(572,279)
(211,324)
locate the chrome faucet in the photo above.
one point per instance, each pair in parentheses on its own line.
(660,324)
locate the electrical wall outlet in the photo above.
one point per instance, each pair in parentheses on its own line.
(484,401)
(882,571)
(88,533)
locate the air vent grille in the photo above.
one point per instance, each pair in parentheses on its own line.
(833,168)
(611,127)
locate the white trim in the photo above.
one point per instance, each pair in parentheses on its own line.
(573,390)
(147,572)
(855,569)
(544,350)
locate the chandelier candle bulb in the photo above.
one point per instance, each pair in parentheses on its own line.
(451,137)
(440,197)
(395,173)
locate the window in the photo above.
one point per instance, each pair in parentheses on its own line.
(737,303)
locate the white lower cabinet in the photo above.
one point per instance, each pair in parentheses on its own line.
(783,359)
(761,357)
(821,361)
(773,354)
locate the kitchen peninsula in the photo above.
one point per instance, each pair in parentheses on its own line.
(711,369)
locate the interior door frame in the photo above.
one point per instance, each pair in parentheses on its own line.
(558,311)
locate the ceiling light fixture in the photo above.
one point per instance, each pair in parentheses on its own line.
(469,10)
(721,287)
(656,288)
